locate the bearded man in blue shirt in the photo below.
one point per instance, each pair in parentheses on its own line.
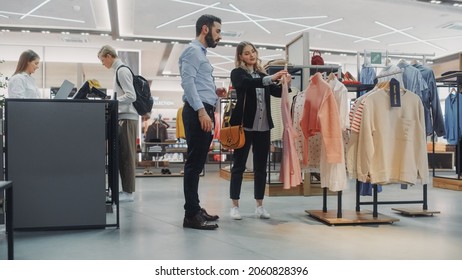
(200,97)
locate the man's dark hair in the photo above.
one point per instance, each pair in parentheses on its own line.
(207,20)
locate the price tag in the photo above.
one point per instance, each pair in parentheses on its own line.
(395,95)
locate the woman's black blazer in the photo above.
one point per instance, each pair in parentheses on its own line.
(245,86)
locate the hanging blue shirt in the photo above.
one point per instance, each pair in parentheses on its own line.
(432,105)
(450,118)
(367,76)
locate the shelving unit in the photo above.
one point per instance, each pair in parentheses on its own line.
(454,180)
(158,157)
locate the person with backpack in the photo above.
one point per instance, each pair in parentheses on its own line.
(200,97)
(128,120)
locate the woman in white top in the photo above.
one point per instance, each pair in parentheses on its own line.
(22,84)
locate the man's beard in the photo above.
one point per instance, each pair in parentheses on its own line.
(209,40)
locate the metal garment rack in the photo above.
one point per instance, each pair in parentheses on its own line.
(424,210)
(358,217)
(303,72)
(451,80)
(389,55)
(375,202)
(349,217)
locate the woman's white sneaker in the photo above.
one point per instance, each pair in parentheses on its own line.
(261,213)
(234,213)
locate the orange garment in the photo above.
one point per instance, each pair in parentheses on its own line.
(320,114)
(179,124)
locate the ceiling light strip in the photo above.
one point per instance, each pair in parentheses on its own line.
(316,26)
(277,20)
(428,40)
(269,19)
(410,36)
(54,18)
(35,9)
(384,34)
(244,14)
(219,55)
(187,15)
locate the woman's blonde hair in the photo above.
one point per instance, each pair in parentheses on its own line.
(239,63)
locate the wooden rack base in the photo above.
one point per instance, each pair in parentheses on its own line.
(447,183)
(350,217)
(226,174)
(277,189)
(415,212)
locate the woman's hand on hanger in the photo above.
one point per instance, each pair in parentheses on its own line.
(278,75)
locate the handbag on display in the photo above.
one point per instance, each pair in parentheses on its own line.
(317,59)
(232,137)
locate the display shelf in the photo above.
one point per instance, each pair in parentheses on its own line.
(159,159)
(441,161)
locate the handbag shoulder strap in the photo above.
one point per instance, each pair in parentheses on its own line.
(243,110)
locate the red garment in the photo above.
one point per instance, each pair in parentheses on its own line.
(290,174)
(320,114)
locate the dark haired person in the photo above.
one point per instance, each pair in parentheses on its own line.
(200,97)
(22,84)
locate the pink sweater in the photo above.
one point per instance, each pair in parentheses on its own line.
(321,115)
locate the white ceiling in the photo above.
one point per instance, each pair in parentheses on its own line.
(406,26)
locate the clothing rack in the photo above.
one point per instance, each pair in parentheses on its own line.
(349,217)
(366,217)
(375,202)
(300,71)
(387,55)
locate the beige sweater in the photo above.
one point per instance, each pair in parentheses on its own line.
(391,141)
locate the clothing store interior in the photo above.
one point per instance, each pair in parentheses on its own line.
(365,156)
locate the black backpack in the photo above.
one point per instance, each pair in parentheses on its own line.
(144,101)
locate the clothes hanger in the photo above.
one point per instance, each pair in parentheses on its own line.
(331,77)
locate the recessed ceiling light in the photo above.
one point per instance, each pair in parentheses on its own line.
(46,32)
(85,33)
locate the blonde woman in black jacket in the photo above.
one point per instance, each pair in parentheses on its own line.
(253,88)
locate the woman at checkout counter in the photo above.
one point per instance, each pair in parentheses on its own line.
(22,84)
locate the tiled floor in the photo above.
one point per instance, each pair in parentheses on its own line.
(151,229)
